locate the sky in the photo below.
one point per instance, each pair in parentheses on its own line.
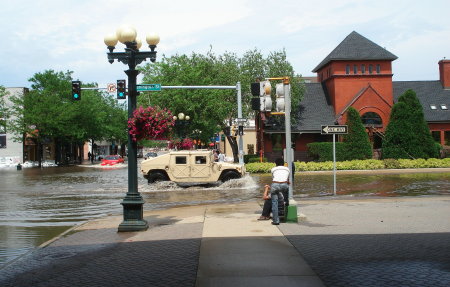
(68,35)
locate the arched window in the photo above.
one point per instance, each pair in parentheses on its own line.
(371,119)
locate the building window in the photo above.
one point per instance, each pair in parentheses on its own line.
(355,69)
(363,69)
(444,107)
(347,69)
(372,119)
(433,107)
(370,69)
(378,68)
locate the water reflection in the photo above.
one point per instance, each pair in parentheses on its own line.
(38,204)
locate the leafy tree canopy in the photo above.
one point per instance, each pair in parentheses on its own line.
(48,108)
(209,109)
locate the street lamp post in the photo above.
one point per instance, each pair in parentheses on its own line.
(133,202)
(180,123)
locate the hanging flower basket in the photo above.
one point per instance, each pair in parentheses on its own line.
(182,144)
(152,123)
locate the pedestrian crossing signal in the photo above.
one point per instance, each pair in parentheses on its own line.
(121,89)
(76,90)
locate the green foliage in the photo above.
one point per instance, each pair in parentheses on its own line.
(256,167)
(210,109)
(153,143)
(357,143)
(408,134)
(49,109)
(368,164)
(323,151)
(4,111)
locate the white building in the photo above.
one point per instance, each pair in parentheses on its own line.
(11,152)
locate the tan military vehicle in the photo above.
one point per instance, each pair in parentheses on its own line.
(190,167)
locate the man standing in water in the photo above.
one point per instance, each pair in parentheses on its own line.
(279,186)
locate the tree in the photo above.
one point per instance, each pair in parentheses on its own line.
(4,114)
(357,143)
(213,110)
(47,112)
(408,134)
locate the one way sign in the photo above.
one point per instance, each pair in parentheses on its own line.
(327,130)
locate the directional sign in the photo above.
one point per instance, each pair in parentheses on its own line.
(148,88)
(329,130)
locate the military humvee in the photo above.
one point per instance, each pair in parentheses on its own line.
(190,167)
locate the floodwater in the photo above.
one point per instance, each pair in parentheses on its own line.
(39,204)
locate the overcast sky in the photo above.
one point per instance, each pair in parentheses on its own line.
(68,35)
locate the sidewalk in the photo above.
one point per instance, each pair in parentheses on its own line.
(210,245)
(347,241)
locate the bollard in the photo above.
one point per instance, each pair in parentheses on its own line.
(19,167)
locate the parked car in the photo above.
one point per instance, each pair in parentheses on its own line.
(190,167)
(150,154)
(100,157)
(112,160)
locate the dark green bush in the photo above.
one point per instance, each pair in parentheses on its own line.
(255,159)
(407,134)
(357,144)
(323,151)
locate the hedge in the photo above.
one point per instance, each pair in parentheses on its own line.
(369,164)
(323,151)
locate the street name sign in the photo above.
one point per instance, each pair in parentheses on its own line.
(241,120)
(329,130)
(148,88)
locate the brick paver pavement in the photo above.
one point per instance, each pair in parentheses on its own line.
(103,257)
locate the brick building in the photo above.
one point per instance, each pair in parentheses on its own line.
(357,73)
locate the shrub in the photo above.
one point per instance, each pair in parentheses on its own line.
(259,167)
(369,164)
(323,151)
(391,163)
(408,134)
(357,143)
(253,158)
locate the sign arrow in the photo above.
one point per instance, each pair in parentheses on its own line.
(342,129)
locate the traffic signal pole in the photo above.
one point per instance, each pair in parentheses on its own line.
(289,158)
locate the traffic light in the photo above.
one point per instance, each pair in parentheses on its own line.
(121,89)
(255,89)
(266,100)
(76,90)
(261,100)
(280,97)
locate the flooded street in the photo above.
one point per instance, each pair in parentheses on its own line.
(38,204)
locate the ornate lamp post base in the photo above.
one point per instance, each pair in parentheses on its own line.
(133,214)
